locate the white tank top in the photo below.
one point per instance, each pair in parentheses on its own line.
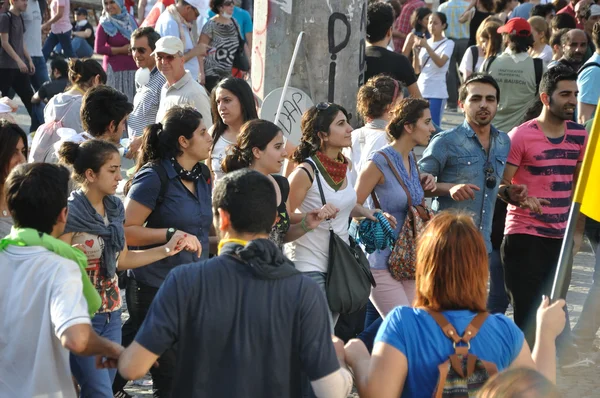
(217,156)
(311,251)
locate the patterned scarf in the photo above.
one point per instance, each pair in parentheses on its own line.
(113,24)
(332,170)
(192,175)
(192,28)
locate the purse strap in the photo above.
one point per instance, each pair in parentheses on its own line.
(434,50)
(239,34)
(389,162)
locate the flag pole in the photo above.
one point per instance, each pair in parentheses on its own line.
(288,78)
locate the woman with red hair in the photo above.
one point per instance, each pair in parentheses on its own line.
(451,279)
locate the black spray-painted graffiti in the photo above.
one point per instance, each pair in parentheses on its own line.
(362,60)
(335,48)
(291,113)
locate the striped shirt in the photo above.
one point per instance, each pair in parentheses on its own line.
(547,169)
(402,23)
(145,104)
(453,10)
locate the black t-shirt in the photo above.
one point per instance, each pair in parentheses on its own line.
(239,335)
(381,60)
(77,28)
(50,88)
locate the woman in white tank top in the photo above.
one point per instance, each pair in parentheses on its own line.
(325,132)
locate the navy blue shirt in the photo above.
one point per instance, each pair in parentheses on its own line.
(237,334)
(181,209)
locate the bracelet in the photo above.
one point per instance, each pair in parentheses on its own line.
(305,227)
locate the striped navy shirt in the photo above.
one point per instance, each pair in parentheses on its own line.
(145,104)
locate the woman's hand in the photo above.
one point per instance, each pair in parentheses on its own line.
(314,217)
(187,241)
(370,214)
(174,246)
(428,182)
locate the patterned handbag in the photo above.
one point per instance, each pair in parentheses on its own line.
(403,258)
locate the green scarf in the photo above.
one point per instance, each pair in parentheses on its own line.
(31,237)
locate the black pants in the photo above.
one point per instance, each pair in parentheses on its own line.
(139,298)
(210,82)
(529,267)
(13,78)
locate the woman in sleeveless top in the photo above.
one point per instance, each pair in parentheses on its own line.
(451,279)
(325,132)
(260,147)
(410,126)
(477,11)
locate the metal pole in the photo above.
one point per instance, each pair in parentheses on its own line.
(566,255)
(288,77)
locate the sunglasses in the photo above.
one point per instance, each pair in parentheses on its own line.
(490,178)
(166,57)
(227,3)
(321,106)
(140,50)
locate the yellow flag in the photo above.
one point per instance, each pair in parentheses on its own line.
(588,187)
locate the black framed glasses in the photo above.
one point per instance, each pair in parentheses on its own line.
(490,178)
(321,106)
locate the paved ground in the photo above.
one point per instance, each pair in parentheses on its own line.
(579,382)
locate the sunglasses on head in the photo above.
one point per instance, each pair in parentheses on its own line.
(490,178)
(321,106)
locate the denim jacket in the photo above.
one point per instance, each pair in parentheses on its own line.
(456,156)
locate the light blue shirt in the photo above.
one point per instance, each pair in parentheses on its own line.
(456,156)
(522,11)
(453,10)
(167,26)
(242,18)
(588,82)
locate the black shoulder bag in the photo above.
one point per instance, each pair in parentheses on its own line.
(240,61)
(349,278)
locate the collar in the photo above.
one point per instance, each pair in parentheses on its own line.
(469,132)
(234,242)
(517,57)
(171,173)
(181,82)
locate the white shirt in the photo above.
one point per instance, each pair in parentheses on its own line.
(33,26)
(41,296)
(432,80)
(546,55)
(186,91)
(365,141)
(466,64)
(216,157)
(310,252)
(167,26)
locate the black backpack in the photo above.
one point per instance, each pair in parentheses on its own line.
(475,55)
(538,66)
(585,66)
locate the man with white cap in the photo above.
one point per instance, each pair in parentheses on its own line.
(179,20)
(181,88)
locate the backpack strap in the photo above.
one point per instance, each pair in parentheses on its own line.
(475,57)
(538,66)
(470,331)
(488,63)
(164,180)
(585,66)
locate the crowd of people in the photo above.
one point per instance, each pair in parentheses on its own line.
(237,274)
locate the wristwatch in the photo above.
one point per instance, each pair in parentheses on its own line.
(170,233)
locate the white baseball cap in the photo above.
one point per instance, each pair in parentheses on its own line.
(168,45)
(197,4)
(594,10)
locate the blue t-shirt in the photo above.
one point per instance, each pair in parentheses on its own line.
(522,11)
(242,18)
(415,333)
(180,209)
(588,82)
(239,334)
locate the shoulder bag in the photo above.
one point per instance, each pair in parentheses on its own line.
(240,61)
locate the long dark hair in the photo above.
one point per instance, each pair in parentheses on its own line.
(255,133)
(243,92)
(10,134)
(417,16)
(161,140)
(313,122)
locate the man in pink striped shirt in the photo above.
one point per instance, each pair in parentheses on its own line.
(546,155)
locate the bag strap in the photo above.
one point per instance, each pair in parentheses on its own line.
(538,67)
(375,200)
(434,50)
(450,331)
(237,29)
(488,63)
(314,167)
(389,162)
(67,111)
(587,65)
(475,56)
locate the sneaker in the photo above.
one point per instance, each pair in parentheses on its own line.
(123,394)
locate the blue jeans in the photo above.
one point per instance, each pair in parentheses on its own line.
(98,382)
(497,302)
(37,117)
(81,48)
(53,39)
(41,73)
(436,106)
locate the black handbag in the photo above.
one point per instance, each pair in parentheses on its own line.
(240,61)
(349,278)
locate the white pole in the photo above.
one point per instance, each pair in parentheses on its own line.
(288,77)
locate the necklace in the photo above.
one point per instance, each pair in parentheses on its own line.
(4,213)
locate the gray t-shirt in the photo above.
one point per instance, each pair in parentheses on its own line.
(15,24)
(5,224)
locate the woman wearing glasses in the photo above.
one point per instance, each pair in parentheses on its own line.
(112,41)
(221,33)
(325,132)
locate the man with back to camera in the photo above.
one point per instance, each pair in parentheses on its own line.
(44,314)
(180,88)
(468,161)
(380,18)
(253,323)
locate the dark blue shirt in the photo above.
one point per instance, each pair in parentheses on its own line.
(181,209)
(239,334)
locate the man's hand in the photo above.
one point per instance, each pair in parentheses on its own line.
(110,358)
(31,67)
(534,204)
(517,193)
(427,182)
(134,146)
(22,67)
(463,192)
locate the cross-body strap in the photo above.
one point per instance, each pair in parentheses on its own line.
(389,162)
(434,50)
(314,167)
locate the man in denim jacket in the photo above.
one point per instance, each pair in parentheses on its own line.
(469,162)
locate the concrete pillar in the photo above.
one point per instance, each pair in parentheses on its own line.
(331,63)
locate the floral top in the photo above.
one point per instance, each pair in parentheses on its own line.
(282,222)
(108,289)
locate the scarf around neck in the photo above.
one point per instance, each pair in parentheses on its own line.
(121,23)
(30,237)
(183,25)
(84,218)
(187,175)
(333,171)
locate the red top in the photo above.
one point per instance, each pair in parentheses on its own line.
(118,62)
